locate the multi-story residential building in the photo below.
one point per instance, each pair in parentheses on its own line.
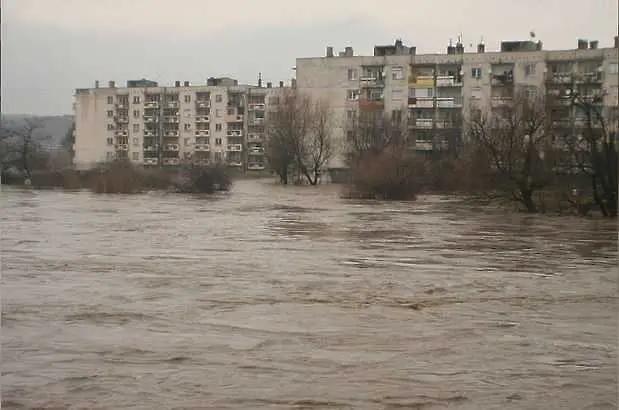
(152,125)
(435,91)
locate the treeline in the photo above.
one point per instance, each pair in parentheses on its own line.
(544,153)
(23,161)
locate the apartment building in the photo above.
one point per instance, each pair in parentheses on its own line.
(153,125)
(435,91)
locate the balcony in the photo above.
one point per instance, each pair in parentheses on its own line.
(171,134)
(150,149)
(202,118)
(171,119)
(502,79)
(202,147)
(172,104)
(121,133)
(120,106)
(255,137)
(234,133)
(149,134)
(448,81)
(421,102)
(426,81)
(449,102)
(150,119)
(234,147)
(202,162)
(121,120)
(234,163)
(256,107)
(202,133)
(151,161)
(589,77)
(234,118)
(501,101)
(371,81)
(171,161)
(422,123)
(256,150)
(203,103)
(122,147)
(560,77)
(257,121)
(151,104)
(255,167)
(423,145)
(172,147)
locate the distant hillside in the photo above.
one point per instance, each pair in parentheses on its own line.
(55,127)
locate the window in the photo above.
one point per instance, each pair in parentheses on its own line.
(352,95)
(476,72)
(187,141)
(136,99)
(529,70)
(136,113)
(110,100)
(217,141)
(136,127)
(217,127)
(188,98)
(110,114)
(110,127)
(136,141)
(396,95)
(353,74)
(135,155)
(110,141)
(187,127)
(613,68)
(476,93)
(218,98)
(397,73)
(351,114)
(218,113)
(230,111)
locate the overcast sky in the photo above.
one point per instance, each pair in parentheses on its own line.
(51,47)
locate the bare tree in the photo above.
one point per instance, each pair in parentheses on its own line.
(514,139)
(592,145)
(18,146)
(299,136)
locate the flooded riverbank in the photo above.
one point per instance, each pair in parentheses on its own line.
(290,297)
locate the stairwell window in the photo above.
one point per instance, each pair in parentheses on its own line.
(397,73)
(476,72)
(217,141)
(136,141)
(136,113)
(613,68)
(110,100)
(110,114)
(187,127)
(529,70)
(135,156)
(217,127)
(188,98)
(218,98)
(353,95)
(136,128)
(353,74)
(136,99)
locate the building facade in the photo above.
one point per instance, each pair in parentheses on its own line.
(152,125)
(436,91)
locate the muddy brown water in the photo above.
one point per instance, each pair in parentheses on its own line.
(286,297)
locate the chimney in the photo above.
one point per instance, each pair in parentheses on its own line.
(412,50)
(616,41)
(582,44)
(111,84)
(348,52)
(259,80)
(186,84)
(481,48)
(398,43)
(451,50)
(293,83)
(593,44)
(269,84)
(177,83)
(459,48)
(281,84)
(97,84)
(329,51)
(539,45)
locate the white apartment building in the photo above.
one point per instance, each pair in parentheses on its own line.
(435,91)
(152,125)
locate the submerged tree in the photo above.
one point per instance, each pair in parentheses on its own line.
(19,147)
(514,139)
(299,136)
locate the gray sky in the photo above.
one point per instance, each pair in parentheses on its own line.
(51,47)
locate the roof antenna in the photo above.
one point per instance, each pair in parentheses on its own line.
(259,80)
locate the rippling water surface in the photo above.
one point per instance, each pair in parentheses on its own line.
(273,297)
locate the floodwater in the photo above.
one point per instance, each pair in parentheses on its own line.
(289,297)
